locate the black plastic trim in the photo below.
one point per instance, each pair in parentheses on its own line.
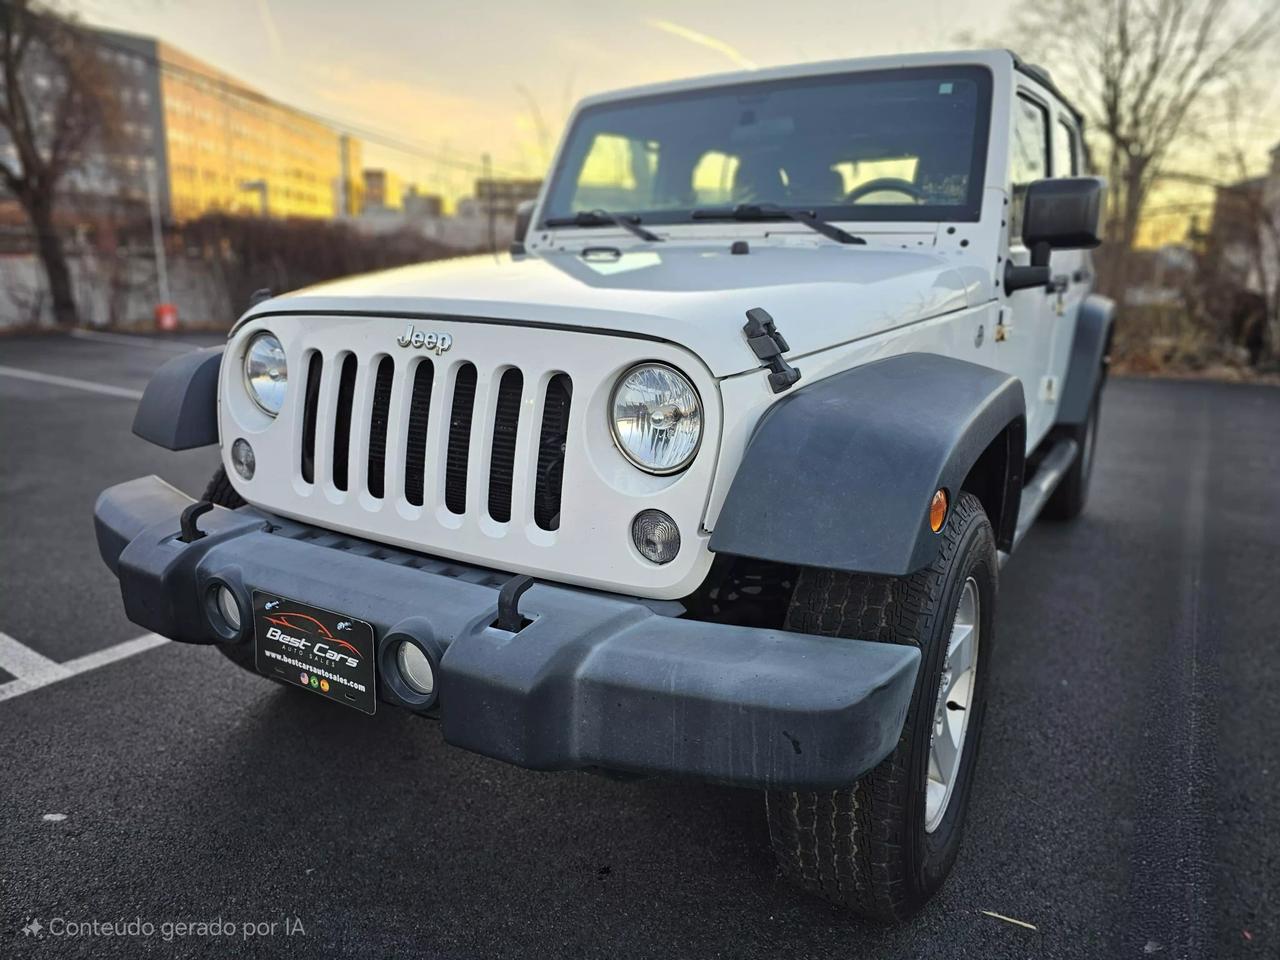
(179,407)
(593,681)
(1090,359)
(840,473)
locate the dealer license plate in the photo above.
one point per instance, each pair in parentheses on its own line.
(327,653)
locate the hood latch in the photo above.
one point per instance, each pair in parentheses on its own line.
(769,345)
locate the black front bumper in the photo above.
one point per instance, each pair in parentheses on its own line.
(594,681)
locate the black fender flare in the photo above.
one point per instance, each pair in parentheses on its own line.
(179,407)
(840,473)
(1090,359)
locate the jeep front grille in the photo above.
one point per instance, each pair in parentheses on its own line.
(555,434)
(378,426)
(506,420)
(416,440)
(459,450)
(421,452)
(494,450)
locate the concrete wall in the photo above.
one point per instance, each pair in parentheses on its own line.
(120,293)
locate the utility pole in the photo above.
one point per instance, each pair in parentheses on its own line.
(157,236)
(345,204)
(487,180)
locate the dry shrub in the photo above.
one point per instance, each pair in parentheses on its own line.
(1170,338)
(252,253)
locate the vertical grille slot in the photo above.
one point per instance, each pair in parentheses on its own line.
(415,443)
(310,408)
(378,426)
(502,462)
(551,447)
(455,473)
(342,421)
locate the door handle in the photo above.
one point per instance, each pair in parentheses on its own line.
(1058,283)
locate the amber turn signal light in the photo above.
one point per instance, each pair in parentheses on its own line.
(938,511)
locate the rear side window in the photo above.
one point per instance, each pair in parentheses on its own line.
(1030,157)
(1066,155)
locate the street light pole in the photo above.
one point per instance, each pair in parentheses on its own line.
(488,181)
(157,236)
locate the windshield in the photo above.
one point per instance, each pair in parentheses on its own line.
(888,145)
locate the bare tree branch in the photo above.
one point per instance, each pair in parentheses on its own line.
(55,102)
(1144,70)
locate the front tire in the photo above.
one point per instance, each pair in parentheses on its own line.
(221,493)
(884,845)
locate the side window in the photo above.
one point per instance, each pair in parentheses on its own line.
(1030,156)
(1066,157)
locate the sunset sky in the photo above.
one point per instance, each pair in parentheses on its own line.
(455,80)
(463,78)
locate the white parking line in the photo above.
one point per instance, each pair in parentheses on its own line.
(33,670)
(126,339)
(72,382)
(24,663)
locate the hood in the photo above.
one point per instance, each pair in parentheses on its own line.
(695,297)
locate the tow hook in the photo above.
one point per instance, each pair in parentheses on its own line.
(509,616)
(190,532)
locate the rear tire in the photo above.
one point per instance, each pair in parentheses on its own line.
(1068,501)
(868,847)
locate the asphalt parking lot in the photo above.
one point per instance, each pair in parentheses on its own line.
(1125,806)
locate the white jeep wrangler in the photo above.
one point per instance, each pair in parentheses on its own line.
(713,476)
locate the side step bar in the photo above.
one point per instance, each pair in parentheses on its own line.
(1036,494)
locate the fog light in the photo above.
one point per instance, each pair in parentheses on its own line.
(415,668)
(656,536)
(242,459)
(228,607)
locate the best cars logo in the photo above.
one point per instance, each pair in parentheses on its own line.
(327,647)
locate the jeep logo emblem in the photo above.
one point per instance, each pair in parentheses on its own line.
(439,342)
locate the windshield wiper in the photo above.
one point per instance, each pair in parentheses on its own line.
(771,211)
(600,218)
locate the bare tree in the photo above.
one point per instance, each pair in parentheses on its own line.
(1144,72)
(1266,254)
(54,100)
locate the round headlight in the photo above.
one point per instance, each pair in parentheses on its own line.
(265,373)
(656,418)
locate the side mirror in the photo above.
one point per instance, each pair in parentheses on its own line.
(1064,214)
(524,215)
